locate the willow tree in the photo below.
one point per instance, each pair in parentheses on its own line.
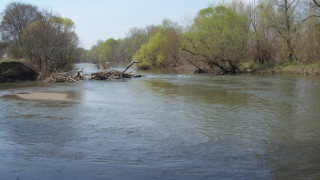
(108,51)
(162,49)
(218,37)
(50,42)
(152,53)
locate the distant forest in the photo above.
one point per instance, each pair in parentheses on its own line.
(221,38)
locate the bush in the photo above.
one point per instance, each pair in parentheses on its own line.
(144,65)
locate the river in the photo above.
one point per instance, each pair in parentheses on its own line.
(164,126)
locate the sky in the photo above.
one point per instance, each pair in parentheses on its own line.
(103,19)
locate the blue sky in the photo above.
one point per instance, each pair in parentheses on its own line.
(103,19)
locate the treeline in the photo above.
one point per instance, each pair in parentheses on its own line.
(221,38)
(46,41)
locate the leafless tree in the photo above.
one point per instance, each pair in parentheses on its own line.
(16,17)
(286,24)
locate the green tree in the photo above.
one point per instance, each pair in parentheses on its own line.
(162,49)
(129,45)
(108,51)
(93,53)
(173,32)
(152,53)
(50,42)
(82,55)
(219,38)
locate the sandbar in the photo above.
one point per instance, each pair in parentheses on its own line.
(44,96)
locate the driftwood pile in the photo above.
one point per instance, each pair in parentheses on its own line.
(58,77)
(111,74)
(103,75)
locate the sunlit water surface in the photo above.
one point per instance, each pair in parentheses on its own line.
(164,126)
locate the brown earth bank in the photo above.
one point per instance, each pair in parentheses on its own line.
(16,71)
(256,68)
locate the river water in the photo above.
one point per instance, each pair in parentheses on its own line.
(164,126)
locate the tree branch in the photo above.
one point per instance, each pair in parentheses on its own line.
(316,3)
(133,62)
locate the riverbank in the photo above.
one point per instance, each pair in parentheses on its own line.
(251,67)
(15,70)
(284,68)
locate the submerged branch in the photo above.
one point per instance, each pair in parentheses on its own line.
(133,62)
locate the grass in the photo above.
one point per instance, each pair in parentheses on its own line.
(314,65)
(286,67)
(8,60)
(254,67)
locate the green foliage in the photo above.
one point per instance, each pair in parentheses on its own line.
(246,65)
(288,63)
(152,53)
(230,37)
(162,49)
(47,41)
(15,18)
(9,60)
(314,65)
(121,50)
(107,51)
(156,46)
(219,37)
(144,65)
(254,67)
(51,43)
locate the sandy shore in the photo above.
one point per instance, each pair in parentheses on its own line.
(44,96)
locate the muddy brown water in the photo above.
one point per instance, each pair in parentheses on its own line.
(163,126)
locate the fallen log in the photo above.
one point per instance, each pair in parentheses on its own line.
(112,74)
(58,77)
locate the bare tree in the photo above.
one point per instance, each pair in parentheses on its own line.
(17,16)
(285,23)
(264,35)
